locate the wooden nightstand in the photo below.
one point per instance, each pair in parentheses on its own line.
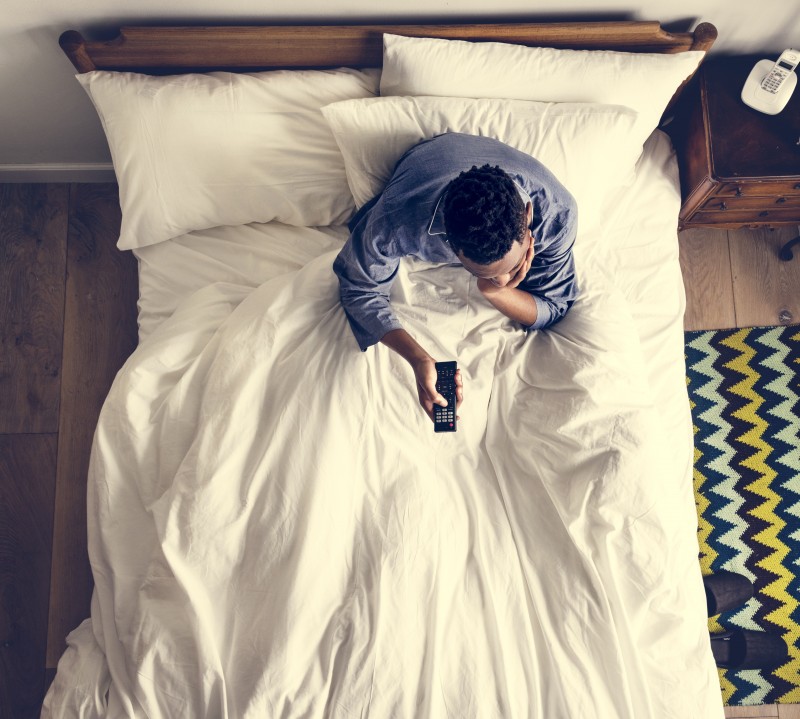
(739,167)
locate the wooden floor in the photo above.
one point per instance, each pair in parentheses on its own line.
(735,279)
(67,323)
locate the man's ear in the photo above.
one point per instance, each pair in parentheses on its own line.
(528,213)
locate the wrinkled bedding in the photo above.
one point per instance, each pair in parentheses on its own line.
(276,531)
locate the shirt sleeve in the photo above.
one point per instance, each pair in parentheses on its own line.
(366,268)
(551,280)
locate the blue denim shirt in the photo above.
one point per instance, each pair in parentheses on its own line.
(407,218)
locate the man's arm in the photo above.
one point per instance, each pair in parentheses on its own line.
(512,302)
(551,280)
(366,268)
(516,304)
(366,271)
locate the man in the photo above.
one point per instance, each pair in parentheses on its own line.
(461,199)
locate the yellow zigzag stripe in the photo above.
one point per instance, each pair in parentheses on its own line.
(728,688)
(707,552)
(766,511)
(708,555)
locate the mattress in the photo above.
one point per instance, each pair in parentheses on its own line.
(274,530)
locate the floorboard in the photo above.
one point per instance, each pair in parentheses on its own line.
(706,266)
(766,290)
(33,240)
(27,471)
(99,334)
(766,711)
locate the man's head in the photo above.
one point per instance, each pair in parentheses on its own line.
(486,221)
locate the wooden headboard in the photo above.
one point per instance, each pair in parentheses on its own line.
(201,49)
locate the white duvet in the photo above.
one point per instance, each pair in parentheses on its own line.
(276,531)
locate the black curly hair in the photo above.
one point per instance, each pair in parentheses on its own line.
(483,214)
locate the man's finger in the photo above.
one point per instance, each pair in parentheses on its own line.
(434,396)
(427,403)
(459,388)
(528,258)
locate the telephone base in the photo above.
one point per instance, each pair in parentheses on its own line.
(761,100)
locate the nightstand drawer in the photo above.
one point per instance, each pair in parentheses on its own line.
(759,189)
(713,217)
(752,202)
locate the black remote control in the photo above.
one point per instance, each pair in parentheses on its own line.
(444,418)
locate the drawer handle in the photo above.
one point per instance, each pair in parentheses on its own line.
(723,205)
(763,214)
(797,186)
(780,200)
(739,192)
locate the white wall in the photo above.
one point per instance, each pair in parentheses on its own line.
(46,120)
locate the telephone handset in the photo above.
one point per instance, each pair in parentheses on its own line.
(771,83)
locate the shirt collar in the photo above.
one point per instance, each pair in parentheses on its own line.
(436,226)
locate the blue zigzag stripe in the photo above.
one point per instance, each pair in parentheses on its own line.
(737,551)
(711,440)
(751,688)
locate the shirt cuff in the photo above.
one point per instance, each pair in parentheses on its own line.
(543,314)
(368,336)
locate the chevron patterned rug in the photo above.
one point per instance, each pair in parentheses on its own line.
(744,387)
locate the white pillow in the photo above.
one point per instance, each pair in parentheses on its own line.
(586,146)
(644,82)
(201,150)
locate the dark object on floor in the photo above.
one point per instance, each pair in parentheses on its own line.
(726,591)
(743,649)
(786,251)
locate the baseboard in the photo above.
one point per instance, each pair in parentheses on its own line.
(59,172)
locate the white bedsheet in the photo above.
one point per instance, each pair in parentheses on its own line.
(275,530)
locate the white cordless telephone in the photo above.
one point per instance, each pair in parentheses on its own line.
(771,83)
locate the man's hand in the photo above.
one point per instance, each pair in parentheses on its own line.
(425,373)
(508,299)
(424,367)
(490,287)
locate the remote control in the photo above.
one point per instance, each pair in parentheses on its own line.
(444,418)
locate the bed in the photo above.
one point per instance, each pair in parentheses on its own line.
(274,529)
